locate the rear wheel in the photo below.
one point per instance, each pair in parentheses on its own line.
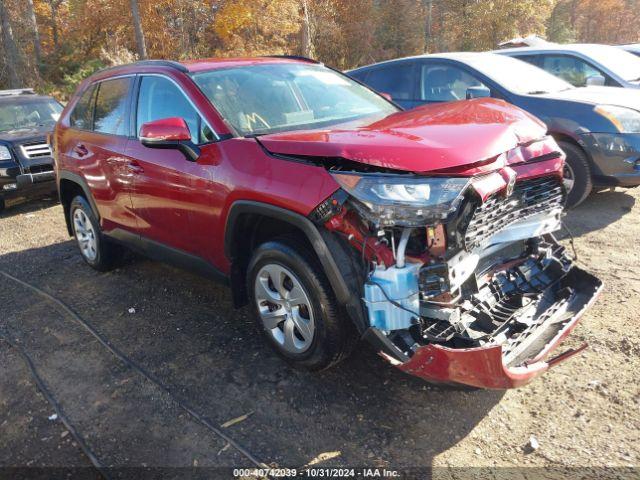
(95,249)
(577,174)
(295,307)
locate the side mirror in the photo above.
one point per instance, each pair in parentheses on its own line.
(386,95)
(478,92)
(595,80)
(171,133)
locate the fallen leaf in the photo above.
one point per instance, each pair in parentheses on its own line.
(239,419)
(324,457)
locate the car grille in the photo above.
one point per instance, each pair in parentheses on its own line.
(35,150)
(498,212)
(40,168)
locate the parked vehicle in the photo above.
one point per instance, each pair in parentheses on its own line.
(333,213)
(583,64)
(26,164)
(598,128)
(633,48)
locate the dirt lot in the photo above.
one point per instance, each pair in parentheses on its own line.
(585,414)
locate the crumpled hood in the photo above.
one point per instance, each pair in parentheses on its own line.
(623,97)
(428,138)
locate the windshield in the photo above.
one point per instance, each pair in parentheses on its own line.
(30,113)
(260,99)
(517,76)
(624,64)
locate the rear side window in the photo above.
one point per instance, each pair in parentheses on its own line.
(82,114)
(160,98)
(396,80)
(111,107)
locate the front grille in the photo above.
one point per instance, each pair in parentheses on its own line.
(498,212)
(40,168)
(35,150)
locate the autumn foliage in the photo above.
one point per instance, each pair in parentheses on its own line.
(52,44)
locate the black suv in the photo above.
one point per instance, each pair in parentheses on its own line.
(26,164)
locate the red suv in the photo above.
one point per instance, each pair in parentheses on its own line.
(333,213)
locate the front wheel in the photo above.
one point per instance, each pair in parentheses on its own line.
(577,174)
(295,307)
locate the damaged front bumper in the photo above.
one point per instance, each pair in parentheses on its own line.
(517,360)
(531,313)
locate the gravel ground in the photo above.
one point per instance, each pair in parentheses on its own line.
(583,416)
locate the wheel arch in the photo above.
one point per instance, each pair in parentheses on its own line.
(69,186)
(563,137)
(250,223)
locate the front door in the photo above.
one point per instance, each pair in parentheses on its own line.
(167,186)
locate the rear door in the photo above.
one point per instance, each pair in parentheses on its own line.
(95,146)
(170,192)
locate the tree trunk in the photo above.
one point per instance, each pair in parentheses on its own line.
(429,25)
(307,47)
(37,46)
(12,56)
(137,25)
(54,21)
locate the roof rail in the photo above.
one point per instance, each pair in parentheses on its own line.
(149,63)
(162,63)
(17,91)
(294,57)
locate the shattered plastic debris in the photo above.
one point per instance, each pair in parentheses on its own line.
(132,310)
(53,417)
(533,443)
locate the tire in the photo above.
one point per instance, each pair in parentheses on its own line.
(95,249)
(327,336)
(2,204)
(578,166)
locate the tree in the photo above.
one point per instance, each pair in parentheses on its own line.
(137,25)
(37,46)
(13,62)
(54,5)
(306,47)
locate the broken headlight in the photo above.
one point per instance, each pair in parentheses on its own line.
(403,200)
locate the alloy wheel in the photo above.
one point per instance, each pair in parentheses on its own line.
(284,308)
(85,235)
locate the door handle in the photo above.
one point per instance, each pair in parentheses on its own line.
(134,167)
(81,150)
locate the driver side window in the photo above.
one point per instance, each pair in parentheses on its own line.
(445,83)
(160,98)
(572,69)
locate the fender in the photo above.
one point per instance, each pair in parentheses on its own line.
(345,293)
(78,180)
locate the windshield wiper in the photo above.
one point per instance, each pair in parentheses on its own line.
(537,92)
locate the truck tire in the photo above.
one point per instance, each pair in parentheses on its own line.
(295,307)
(577,174)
